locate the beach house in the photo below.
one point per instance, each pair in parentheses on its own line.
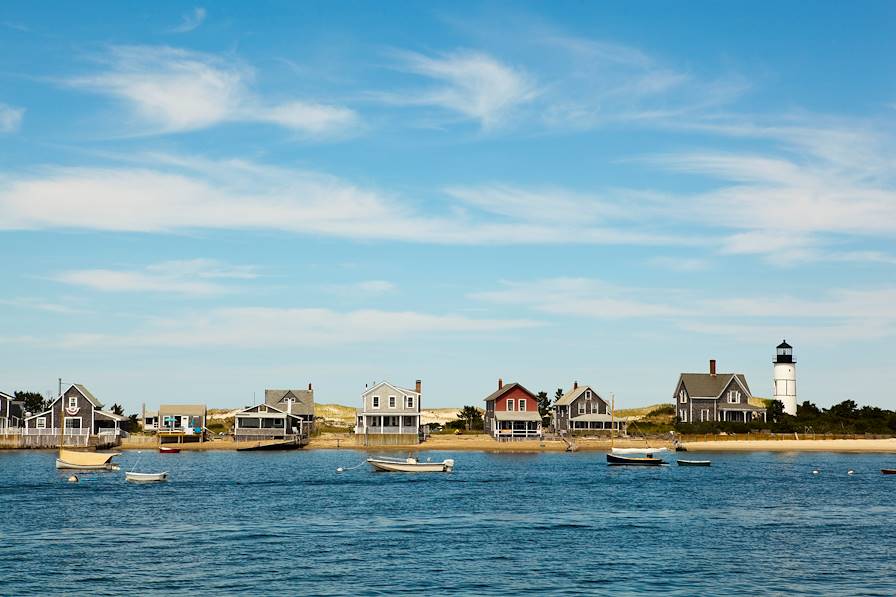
(11,412)
(511,412)
(285,414)
(389,415)
(716,397)
(582,410)
(182,422)
(82,415)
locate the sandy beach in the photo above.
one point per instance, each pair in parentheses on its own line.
(478,442)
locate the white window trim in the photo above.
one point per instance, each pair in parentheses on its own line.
(79,419)
(393,400)
(40,423)
(73,402)
(409,401)
(704,415)
(375,402)
(683,396)
(581,407)
(733,397)
(511,403)
(587,394)
(521,405)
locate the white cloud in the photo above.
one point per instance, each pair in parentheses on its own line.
(257,327)
(190,21)
(173,90)
(376,286)
(167,193)
(10,118)
(189,277)
(472,84)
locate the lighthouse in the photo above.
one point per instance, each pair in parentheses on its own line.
(785,377)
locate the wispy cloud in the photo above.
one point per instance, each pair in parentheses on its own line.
(41,305)
(166,193)
(190,21)
(257,327)
(172,90)
(471,84)
(10,118)
(197,277)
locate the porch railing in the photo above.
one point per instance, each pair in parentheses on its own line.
(75,432)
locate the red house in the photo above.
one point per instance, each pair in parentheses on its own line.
(511,412)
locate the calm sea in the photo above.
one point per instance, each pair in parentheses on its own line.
(289,524)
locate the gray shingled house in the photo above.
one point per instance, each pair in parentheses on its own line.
(582,410)
(11,412)
(285,414)
(389,415)
(721,397)
(82,415)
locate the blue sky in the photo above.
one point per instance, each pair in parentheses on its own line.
(201,201)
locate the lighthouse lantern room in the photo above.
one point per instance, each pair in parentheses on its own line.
(785,377)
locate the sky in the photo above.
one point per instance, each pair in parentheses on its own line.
(198,202)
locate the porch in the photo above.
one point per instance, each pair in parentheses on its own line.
(741,415)
(388,424)
(259,426)
(516,425)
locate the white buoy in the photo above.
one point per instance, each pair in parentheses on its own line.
(815,472)
(340,469)
(850,472)
(73,479)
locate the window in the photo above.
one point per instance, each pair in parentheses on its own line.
(510,404)
(409,401)
(41,423)
(683,397)
(704,415)
(581,407)
(683,415)
(522,405)
(587,394)
(733,397)
(375,402)
(391,401)
(73,402)
(593,407)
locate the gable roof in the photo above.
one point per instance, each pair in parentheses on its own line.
(505,389)
(705,385)
(184,410)
(86,393)
(303,400)
(398,389)
(570,396)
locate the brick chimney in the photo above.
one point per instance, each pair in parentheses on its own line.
(500,383)
(309,387)
(575,385)
(712,367)
(419,387)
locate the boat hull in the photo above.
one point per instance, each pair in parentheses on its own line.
(389,466)
(288,444)
(106,466)
(694,463)
(146,477)
(614,460)
(164,450)
(888,471)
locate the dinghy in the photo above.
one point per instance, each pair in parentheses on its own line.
(410,465)
(694,463)
(86,461)
(638,450)
(106,466)
(167,450)
(888,471)
(145,477)
(648,460)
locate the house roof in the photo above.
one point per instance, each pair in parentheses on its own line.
(398,389)
(784,344)
(190,410)
(254,410)
(86,393)
(705,385)
(574,393)
(110,415)
(7,396)
(593,417)
(303,400)
(506,388)
(517,415)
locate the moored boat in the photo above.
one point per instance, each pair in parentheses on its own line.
(134,477)
(286,444)
(106,466)
(638,450)
(86,461)
(648,460)
(694,462)
(410,465)
(167,450)
(888,471)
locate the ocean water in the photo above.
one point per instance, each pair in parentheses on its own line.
(289,524)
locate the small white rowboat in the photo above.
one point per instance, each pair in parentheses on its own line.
(410,465)
(146,477)
(106,466)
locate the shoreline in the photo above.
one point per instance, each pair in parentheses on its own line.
(484,443)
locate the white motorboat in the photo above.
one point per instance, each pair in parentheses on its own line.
(105,466)
(145,477)
(410,465)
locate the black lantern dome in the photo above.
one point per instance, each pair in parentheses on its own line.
(784,353)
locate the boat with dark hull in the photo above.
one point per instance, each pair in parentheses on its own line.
(287,444)
(648,460)
(694,463)
(888,471)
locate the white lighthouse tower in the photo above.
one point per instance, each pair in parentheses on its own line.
(785,377)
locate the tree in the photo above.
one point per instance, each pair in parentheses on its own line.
(471,416)
(558,394)
(34,402)
(544,407)
(117,409)
(774,412)
(133,423)
(848,409)
(807,409)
